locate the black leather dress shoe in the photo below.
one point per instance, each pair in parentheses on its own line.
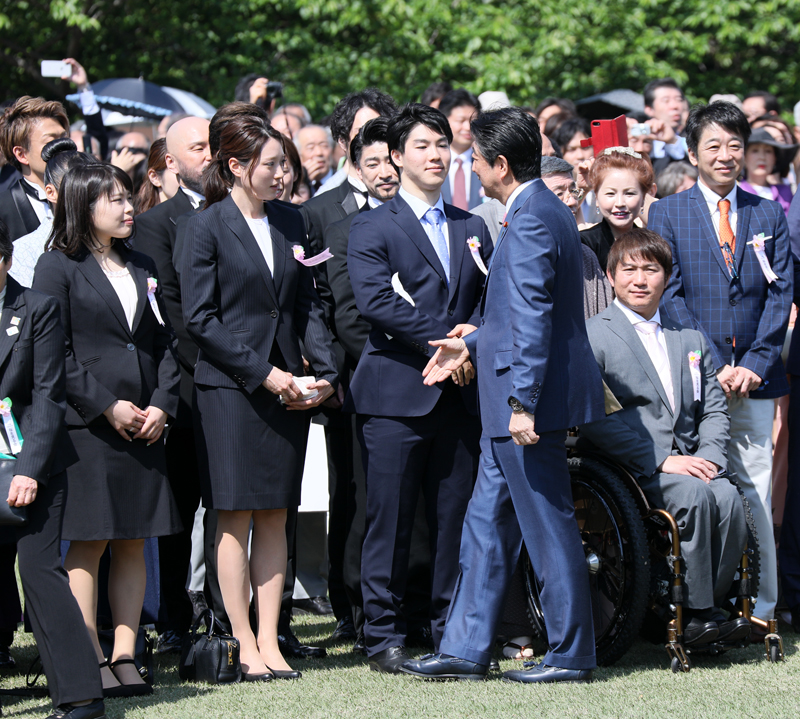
(544,674)
(345,631)
(93,710)
(389,660)
(494,665)
(290,646)
(734,630)
(286,673)
(6,660)
(313,605)
(265,677)
(698,632)
(360,644)
(443,666)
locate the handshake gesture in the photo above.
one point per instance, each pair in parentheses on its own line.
(451,359)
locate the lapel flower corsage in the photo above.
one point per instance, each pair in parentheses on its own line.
(474,245)
(694,369)
(152,284)
(759,247)
(300,255)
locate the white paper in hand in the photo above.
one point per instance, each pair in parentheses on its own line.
(397,286)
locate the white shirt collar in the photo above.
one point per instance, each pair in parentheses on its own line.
(516,193)
(712,198)
(194,197)
(39,191)
(465,156)
(373,201)
(358,184)
(634,318)
(420,207)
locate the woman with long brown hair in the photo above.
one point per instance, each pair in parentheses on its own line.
(248,304)
(159,183)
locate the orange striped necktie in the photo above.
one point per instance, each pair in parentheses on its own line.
(727,240)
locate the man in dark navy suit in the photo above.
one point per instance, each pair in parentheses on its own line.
(536,378)
(414,279)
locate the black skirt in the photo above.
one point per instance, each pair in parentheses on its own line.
(118,489)
(250,448)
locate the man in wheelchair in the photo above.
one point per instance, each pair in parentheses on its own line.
(667,423)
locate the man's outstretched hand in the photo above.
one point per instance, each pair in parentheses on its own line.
(450,356)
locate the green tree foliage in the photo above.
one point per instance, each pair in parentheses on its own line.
(321,49)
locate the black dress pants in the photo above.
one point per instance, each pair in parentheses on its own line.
(68,656)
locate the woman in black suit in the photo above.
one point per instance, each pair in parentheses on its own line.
(248,304)
(122,384)
(32,376)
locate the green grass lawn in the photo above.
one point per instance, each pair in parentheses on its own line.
(740,684)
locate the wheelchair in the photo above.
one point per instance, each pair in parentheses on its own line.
(633,556)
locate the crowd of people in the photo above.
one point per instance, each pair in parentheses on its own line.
(448,287)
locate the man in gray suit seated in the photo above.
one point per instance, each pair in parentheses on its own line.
(671,431)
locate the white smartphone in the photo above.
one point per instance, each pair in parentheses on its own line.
(56,68)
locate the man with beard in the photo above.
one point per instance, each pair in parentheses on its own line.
(187,155)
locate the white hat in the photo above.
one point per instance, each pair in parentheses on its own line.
(492,100)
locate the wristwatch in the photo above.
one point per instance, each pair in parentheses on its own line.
(515,404)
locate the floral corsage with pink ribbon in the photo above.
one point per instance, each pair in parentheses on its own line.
(152,285)
(695,358)
(474,245)
(300,255)
(758,243)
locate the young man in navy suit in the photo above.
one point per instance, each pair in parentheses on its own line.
(414,279)
(536,377)
(732,280)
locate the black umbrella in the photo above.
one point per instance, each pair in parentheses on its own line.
(135,96)
(610,104)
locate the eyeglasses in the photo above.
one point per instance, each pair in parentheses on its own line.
(573,190)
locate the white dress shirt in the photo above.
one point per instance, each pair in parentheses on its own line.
(27,251)
(660,359)
(194,197)
(515,194)
(373,202)
(466,163)
(420,207)
(42,207)
(260,230)
(360,189)
(712,199)
(125,286)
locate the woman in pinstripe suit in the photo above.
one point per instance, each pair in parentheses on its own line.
(248,305)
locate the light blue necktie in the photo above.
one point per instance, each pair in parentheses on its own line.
(433,218)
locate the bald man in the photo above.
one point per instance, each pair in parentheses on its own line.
(187,156)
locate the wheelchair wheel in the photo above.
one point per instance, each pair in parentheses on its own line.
(617,559)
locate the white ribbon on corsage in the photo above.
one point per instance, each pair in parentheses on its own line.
(10,425)
(474,245)
(300,256)
(697,377)
(758,246)
(152,284)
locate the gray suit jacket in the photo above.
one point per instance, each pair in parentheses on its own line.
(492,211)
(645,431)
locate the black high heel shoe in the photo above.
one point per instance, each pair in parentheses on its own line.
(286,673)
(124,690)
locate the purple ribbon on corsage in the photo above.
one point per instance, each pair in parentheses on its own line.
(300,256)
(474,245)
(152,283)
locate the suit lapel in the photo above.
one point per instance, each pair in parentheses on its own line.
(408,222)
(676,355)
(700,208)
(91,270)
(743,212)
(622,327)
(279,247)
(349,203)
(142,301)
(14,306)
(29,218)
(235,221)
(457,230)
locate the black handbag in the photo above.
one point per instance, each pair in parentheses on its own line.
(212,657)
(9,516)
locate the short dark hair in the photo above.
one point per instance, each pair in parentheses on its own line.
(724,114)
(6,245)
(568,129)
(641,244)
(770,101)
(20,118)
(81,190)
(61,155)
(651,87)
(344,114)
(435,91)
(371,132)
(458,98)
(563,104)
(411,115)
(513,133)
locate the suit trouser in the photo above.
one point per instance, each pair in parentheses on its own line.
(789,552)
(68,657)
(713,531)
(437,452)
(522,493)
(175,550)
(750,462)
(10,607)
